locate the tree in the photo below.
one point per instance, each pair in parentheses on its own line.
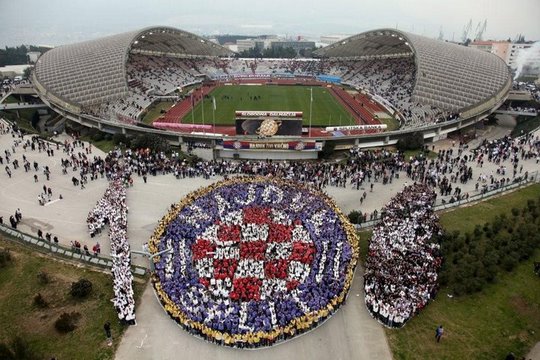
(355,217)
(95,134)
(35,119)
(43,277)
(67,322)
(81,288)
(40,301)
(412,141)
(327,149)
(119,138)
(27,72)
(17,349)
(5,257)
(150,141)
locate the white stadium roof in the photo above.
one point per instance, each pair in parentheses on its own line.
(448,76)
(94,71)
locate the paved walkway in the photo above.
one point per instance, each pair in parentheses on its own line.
(534,354)
(349,334)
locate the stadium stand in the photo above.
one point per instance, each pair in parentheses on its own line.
(424,81)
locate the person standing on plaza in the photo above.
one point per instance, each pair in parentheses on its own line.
(439,333)
(108,334)
(18,215)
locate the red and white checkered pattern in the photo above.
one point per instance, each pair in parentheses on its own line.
(266,256)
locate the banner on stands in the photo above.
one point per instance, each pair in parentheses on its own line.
(262,145)
(357,127)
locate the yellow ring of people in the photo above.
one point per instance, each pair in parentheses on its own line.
(278,333)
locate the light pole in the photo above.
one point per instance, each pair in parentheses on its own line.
(202,104)
(214,114)
(310,109)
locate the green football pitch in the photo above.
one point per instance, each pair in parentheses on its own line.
(230,98)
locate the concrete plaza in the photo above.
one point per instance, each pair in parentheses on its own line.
(350,334)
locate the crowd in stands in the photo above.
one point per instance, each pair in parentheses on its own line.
(232,68)
(403,257)
(392,80)
(158,75)
(150,77)
(112,210)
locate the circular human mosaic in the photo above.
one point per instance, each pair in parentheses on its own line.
(249,262)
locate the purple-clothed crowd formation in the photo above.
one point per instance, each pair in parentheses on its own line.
(303,287)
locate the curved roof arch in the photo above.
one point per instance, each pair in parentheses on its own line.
(448,76)
(94,71)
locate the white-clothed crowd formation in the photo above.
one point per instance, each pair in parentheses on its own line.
(403,257)
(111,209)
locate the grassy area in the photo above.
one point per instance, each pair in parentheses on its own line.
(104,145)
(504,317)
(524,125)
(11,100)
(326,109)
(24,122)
(364,237)
(154,111)
(392,123)
(465,219)
(20,317)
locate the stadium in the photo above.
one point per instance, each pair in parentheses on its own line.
(165,195)
(367,90)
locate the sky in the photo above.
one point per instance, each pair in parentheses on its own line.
(57,22)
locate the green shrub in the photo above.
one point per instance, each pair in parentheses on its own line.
(43,277)
(474,259)
(98,136)
(17,349)
(5,257)
(327,149)
(413,141)
(150,141)
(67,322)
(119,138)
(355,217)
(81,288)
(40,301)
(6,353)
